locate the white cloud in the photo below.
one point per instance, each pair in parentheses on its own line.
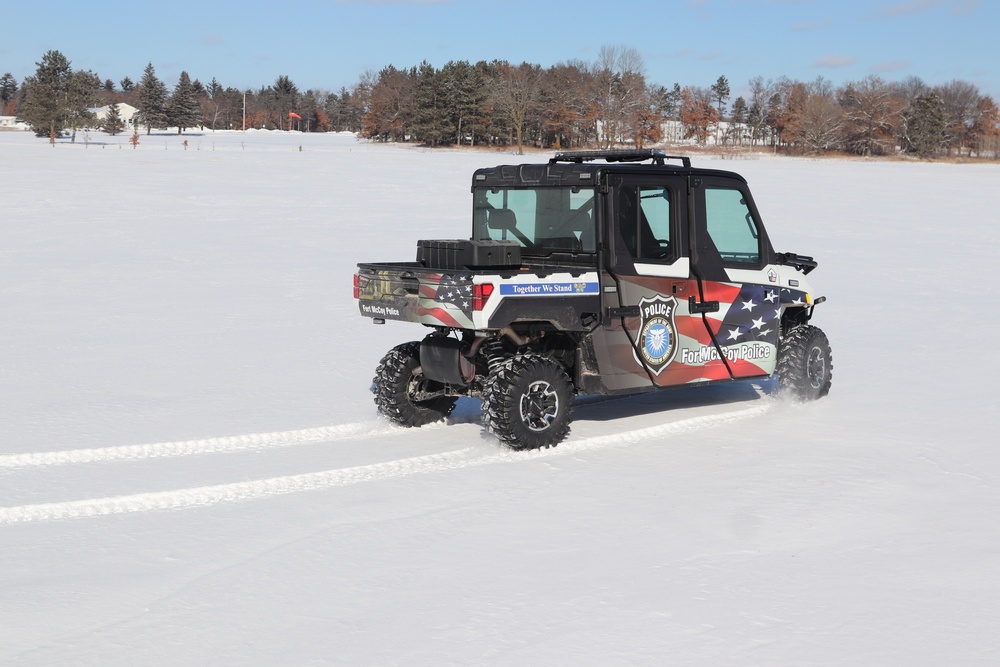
(835,61)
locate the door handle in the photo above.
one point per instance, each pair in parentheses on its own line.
(702,306)
(624,311)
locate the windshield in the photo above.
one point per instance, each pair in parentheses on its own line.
(542,220)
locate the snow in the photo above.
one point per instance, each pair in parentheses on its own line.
(192,471)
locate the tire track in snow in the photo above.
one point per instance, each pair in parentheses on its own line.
(234,492)
(235,443)
(278,486)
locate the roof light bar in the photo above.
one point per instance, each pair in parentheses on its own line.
(620,155)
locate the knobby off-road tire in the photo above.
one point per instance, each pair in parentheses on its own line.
(396,385)
(527,402)
(805,364)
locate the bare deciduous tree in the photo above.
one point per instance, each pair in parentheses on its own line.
(960,99)
(759,108)
(698,113)
(390,105)
(872,114)
(620,86)
(515,92)
(822,123)
(566,96)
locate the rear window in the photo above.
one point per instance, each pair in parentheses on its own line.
(542,220)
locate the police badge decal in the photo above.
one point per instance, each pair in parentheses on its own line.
(657,342)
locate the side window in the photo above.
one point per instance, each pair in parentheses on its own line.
(644,221)
(581,202)
(731,226)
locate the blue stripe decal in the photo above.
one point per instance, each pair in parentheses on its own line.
(547,289)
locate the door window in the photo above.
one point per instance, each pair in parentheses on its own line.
(732,226)
(644,221)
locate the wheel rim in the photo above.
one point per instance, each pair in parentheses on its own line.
(816,368)
(414,388)
(539,406)
(418,392)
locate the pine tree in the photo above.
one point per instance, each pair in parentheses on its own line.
(720,93)
(152,100)
(430,122)
(925,125)
(183,110)
(463,96)
(737,119)
(198,88)
(127,85)
(8,89)
(283,98)
(213,106)
(672,102)
(45,102)
(113,123)
(82,96)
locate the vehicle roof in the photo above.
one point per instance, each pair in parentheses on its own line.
(582,168)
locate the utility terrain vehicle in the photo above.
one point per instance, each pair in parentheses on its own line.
(599,272)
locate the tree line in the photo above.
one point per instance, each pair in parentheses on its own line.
(575,104)
(57,99)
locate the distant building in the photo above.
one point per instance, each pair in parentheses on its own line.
(11,123)
(127,112)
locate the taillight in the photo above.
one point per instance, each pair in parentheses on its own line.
(357,290)
(480,294)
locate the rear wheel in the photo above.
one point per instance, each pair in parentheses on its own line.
(527,402)
(805,363)
(406,397)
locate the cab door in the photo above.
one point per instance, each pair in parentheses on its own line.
(739,295)
(650,333)
(691,296)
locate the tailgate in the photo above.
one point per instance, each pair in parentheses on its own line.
(410,293)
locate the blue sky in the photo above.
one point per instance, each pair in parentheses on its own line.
(327,45)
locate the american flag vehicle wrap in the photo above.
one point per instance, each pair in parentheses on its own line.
(740,340)
(448,302)
(447,299)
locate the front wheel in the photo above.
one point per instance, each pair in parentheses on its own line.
(527,402)
(405,396)
(805,363)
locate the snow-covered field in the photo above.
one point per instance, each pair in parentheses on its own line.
(192,472)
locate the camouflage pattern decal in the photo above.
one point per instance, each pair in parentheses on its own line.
(427,298)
